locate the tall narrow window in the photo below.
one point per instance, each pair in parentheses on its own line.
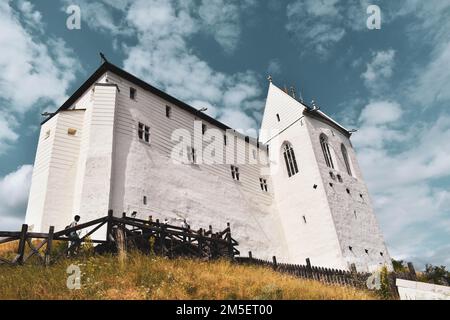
(326,151)
(291,162)
(204,128)
(278,117)
(144,132)
(263,184)
(168,111)
(235,173)
(346,160)
(132,93)
(192,156)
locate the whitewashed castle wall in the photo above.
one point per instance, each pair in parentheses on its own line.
(204,194)
(295,196)
(105,166)
(353,216)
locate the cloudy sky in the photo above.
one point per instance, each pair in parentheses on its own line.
(392,84)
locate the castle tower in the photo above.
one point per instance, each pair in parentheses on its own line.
(323,202)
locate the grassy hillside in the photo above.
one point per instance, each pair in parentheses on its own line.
(146,277)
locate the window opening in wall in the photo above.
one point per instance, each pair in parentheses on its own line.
(235,173)
(278,117)
(348,190)
(304,219)
(168,111)
(350,248)
(263,184)
(367,251)
(339,178)
(225,139)
(346,160)
(315,186)
(289,158)
(203,128)
(144,132)
(144,200)
(132,93)
(331,185)
(192,156)
(326,151)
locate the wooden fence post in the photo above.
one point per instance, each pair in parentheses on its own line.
(22,241)
(230,242)
(309,268)
(275,264)
(412,271)
(109,226)
(48,250)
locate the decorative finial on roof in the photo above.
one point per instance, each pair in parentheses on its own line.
(269,78)
(315,107)
(102,56)
(293,92)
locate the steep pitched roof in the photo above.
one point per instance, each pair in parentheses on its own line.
(107,66)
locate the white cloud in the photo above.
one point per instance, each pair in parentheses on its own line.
(32,72)
(380,112)
(222,19)
(45,69)
(173,66)
(321,24)
(14,189)
(274,67)
(400,167)
(379,70)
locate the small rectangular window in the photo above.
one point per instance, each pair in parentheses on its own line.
(144,132)
(132,93)
(144,200)
(203,128)
(168,111)
(225,139)
(278,117)
(235,173)
(263,184)
(192,156)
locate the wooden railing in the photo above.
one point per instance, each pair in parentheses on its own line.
(121,233)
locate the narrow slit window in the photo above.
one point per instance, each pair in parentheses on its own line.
(326,151)
(289,158)
(204,128)
(132,93)
(225,139)
(168,111)
(235,173)
(144,200)
(192,156)
(278,117)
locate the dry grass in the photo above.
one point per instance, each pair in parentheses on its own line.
(145,277)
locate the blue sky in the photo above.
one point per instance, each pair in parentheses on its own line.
(392,84)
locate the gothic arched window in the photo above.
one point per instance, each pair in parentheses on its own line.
(326,151)
(291,162)
(346,160)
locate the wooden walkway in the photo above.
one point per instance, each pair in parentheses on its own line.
(122,233)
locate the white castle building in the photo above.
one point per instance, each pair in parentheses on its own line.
(295,193)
